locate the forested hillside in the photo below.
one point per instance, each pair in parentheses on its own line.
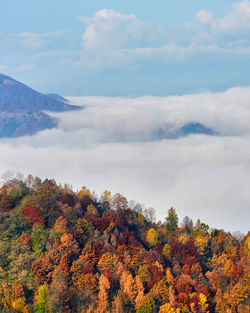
(65,251)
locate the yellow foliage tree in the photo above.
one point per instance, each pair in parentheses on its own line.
(143,272)
(247,245)
(166,250)
(201,241)
(169,276)
(19,305)
(108,262)
(160,289)
(166,308)
(203,303)
(92,210)
(85,192)
(152,237)
(147,305)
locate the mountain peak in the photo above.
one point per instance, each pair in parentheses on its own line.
(16,96)
(21,108)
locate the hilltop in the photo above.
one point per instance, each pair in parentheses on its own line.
(65,251)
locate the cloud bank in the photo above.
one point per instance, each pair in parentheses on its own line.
(109,144)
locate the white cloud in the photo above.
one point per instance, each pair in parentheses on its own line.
(107,145)
(37,41)
(115,39)
(109,29)
(205,17)
(228,113)
(236,21)
(118,41)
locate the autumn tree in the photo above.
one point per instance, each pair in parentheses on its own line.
(147,305)
(119,202)
(152,237)
(33,214)
(103,299)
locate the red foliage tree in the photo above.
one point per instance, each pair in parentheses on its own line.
(33,214)
(182,286)
(68,199)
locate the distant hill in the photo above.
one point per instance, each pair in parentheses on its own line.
(187,129)
(24,123)
(21,108)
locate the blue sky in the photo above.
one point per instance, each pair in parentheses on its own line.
(126,48)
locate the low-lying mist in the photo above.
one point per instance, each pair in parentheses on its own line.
(113,143)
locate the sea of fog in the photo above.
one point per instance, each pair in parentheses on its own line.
(112,144)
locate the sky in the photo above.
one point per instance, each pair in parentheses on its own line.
(138,67)
(126,48)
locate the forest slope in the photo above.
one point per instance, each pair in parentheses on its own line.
(65,251)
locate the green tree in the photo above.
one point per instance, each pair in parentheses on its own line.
(172,220)
(41,305)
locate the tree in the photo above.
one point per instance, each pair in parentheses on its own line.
(171,220)
(203,303)
(24,239)
(5,204)
(166,250)
(108,262)
(33,214)
(85,228)
(61,224)
(152,237)
(41,305)
(92,210)
(119,202)
(106,199)
(149,213)
(166,308)
(147,305)
(19,305)
(128,285)
(103,301)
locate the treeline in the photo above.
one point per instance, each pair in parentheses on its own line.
(63,251)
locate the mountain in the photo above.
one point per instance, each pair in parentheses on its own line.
(187,129)
(57,97)
(24,123)
(15,97)
(21,108)
(68,252)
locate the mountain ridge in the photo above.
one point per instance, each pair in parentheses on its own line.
(21,108)
(16,96)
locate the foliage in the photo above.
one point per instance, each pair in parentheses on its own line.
(147,305)
(33,214)
(152,237)
(172,220)
(65,252)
